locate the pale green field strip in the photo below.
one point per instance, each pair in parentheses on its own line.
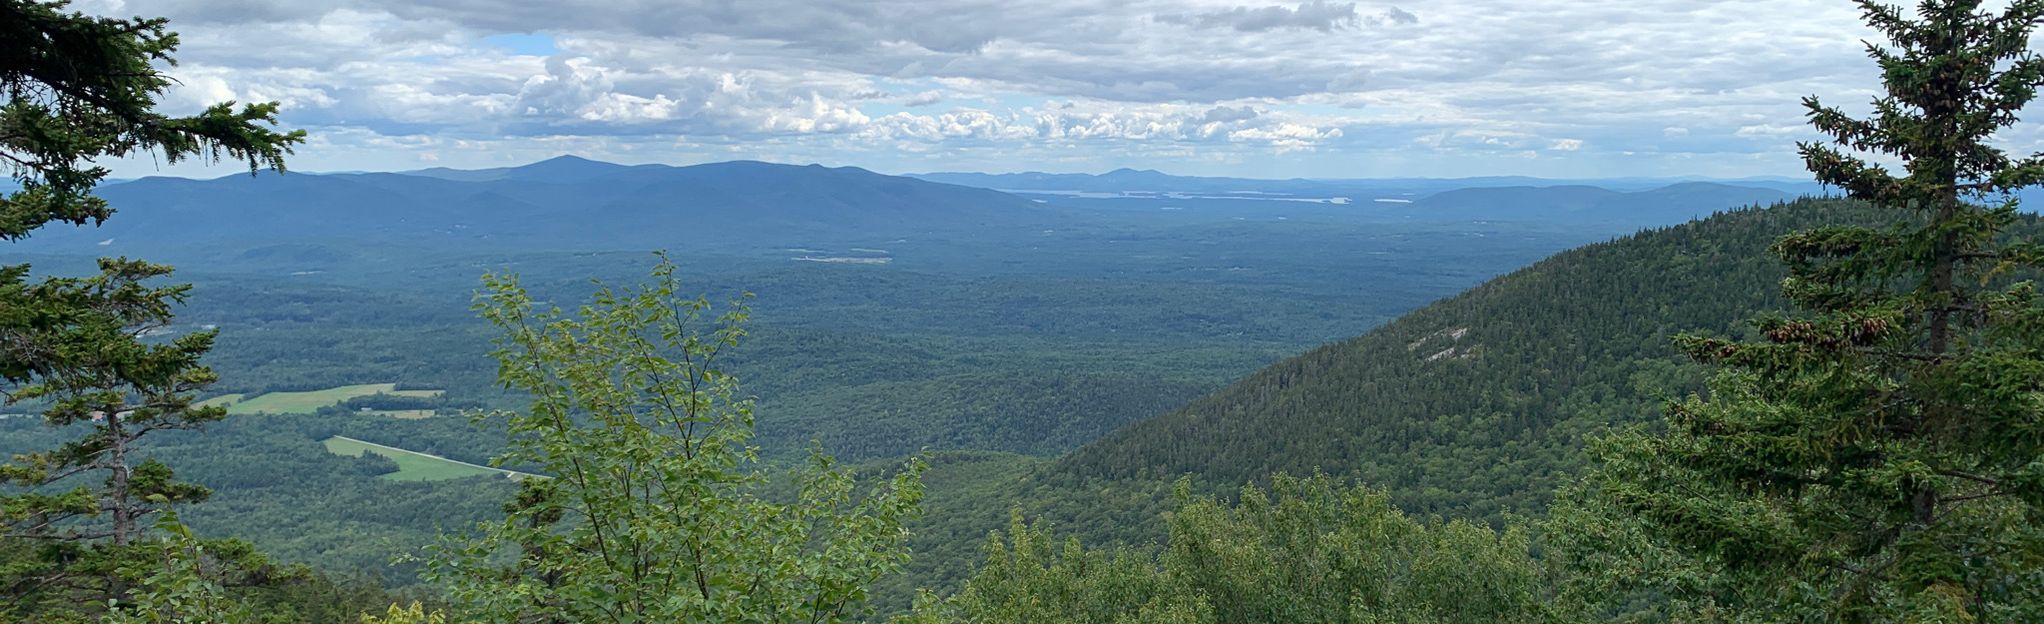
(420,414)
(416,466)
(311,401)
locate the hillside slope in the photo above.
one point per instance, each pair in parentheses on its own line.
(1476,405)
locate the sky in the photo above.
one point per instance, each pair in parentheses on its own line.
(1429,88)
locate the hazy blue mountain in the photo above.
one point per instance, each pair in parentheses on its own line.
(563,203)
(1618,203)
(1149,181)
(560,169)
(321,222)
(1154,181)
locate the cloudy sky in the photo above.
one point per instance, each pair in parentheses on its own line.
(1557,88)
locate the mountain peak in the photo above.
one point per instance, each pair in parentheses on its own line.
(568,161)
(566,168)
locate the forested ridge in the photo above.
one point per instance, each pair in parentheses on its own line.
(1476,406)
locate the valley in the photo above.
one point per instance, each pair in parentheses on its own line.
(996,349)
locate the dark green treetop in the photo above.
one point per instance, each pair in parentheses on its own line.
(96,352)
(1303,550)
(1879,455)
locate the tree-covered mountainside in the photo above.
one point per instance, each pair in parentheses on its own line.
(1476,405)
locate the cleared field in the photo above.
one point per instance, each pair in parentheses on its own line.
(309,402)
(402,414)
(413,466)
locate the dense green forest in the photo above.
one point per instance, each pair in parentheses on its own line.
(1476,406)
(873,362)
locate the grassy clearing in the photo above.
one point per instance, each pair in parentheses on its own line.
(309,402)
(412,466)
(418,414)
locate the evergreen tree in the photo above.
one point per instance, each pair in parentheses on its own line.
(79,89)
(1879,455)
(180,586)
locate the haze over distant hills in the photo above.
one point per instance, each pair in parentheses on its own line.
(894,314)
(1155,181)
(563,203)
(300,222)
(850,250)
(1619,204)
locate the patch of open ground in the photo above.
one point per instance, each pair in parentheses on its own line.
(413,465)
(309,401)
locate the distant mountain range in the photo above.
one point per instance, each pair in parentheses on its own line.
(1618,203)
(562,203)
(574,204)
(1153,181)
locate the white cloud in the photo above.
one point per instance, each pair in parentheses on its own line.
(816,115)
(1217,85)
(194,92)
(1767,130)
(564,89)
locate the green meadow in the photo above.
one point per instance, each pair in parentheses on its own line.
(309,401)
(411,466)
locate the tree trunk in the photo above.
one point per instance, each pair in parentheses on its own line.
(117,491)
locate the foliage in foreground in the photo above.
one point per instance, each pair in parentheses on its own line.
(77,520)
(414,614)
(1307,550)
(1878,456)
(657,510)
